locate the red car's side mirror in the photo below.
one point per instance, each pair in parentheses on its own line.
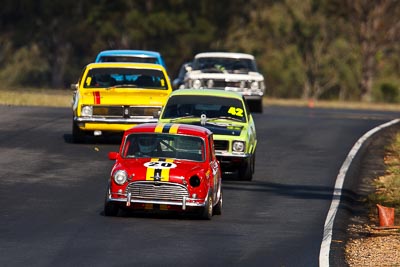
(112,155)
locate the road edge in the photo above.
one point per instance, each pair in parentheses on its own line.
(348,169)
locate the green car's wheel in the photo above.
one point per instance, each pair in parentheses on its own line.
(246,171)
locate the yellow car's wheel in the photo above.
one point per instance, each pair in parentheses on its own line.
(78,136)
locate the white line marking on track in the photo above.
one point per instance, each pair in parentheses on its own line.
(337,192)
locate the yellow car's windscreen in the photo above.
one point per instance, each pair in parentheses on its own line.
(125,78)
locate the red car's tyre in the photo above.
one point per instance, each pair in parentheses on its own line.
(218,208)
(207,210)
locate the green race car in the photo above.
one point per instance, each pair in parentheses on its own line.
(227,116)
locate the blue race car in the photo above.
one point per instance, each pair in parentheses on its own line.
(138,56)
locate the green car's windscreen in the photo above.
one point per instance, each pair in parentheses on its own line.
(210,106)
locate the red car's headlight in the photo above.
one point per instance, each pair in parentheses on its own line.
(194,181)
(120,177)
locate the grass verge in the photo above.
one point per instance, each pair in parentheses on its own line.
(387,186)
(63,97)
(36,97)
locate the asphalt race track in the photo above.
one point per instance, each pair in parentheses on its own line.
(52,193)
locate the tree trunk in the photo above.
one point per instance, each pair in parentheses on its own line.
(306,90)
(59,65)
(368,70)
(369,49)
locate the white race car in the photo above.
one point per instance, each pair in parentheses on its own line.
(228,71)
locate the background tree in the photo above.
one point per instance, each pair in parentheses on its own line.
(377,27)
(302,52)
(327,49)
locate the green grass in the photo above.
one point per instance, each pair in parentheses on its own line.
(388,185)
(331,104)
(62,98)
(36,97)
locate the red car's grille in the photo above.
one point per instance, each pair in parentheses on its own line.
(157,191)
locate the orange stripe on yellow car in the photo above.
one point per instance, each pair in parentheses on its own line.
(96,97)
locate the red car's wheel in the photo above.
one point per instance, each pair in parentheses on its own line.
(218,208)
(207,210)
(110,208)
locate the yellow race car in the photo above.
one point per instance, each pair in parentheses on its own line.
(113,97)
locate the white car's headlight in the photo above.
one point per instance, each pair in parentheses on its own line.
(87,111)
(120,177)
(238,146)
(254,86)
(196,84)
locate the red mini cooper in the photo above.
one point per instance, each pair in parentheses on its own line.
(165,166)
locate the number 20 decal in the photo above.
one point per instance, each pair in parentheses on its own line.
(160,165)
(236,111)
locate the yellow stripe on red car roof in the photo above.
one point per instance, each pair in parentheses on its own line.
(159,128)
(174,128)
(167,128)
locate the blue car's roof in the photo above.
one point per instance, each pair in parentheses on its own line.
(128,52)
(144,53)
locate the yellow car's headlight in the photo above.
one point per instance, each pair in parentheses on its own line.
(87,111)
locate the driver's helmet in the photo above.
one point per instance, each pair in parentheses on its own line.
(105,80)
(147,143)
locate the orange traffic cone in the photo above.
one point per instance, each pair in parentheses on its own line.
(311,103)
(386,216)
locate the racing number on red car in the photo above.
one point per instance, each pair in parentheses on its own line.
(159,165)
